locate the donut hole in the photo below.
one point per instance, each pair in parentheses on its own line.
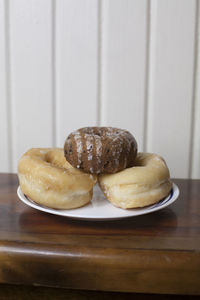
(101,148)
(106,164)
(98,134)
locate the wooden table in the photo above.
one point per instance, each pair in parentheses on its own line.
(156,253)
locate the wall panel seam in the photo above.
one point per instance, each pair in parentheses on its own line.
(146,96)
(8,84)
(53,69)
(196,63)
(150,76)
(99,63)
(103,116)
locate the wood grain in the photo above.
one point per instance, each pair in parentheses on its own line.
(34,293)
(155,253)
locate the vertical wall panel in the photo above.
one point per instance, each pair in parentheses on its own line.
(4,150)
(31,75)
(171,82)
(124,44)
(196,133)
(132,64)
(76,65)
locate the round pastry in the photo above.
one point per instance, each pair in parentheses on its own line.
(144,184)
(100,149)
(48,179)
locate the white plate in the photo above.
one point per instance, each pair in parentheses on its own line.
(100,208)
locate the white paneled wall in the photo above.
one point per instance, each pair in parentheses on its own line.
(5,140)
(171,68)
(132,64)
(30,33)
(124,55)
(76,58)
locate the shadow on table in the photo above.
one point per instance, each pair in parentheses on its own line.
(153,223)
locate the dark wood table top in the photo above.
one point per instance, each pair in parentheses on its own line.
(153,253)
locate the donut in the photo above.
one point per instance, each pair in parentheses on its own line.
(48,179)
(144,184)
(100,150)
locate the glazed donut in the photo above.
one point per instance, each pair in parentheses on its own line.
(100,149)
(48,179)
(142,185)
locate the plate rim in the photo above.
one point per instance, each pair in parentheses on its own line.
(174,194)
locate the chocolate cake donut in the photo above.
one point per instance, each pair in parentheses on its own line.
(100,150)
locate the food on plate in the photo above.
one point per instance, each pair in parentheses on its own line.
(146,183)
(99,150)
(48,179)
(64,178)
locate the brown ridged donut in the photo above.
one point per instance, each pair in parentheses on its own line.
(100,150)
